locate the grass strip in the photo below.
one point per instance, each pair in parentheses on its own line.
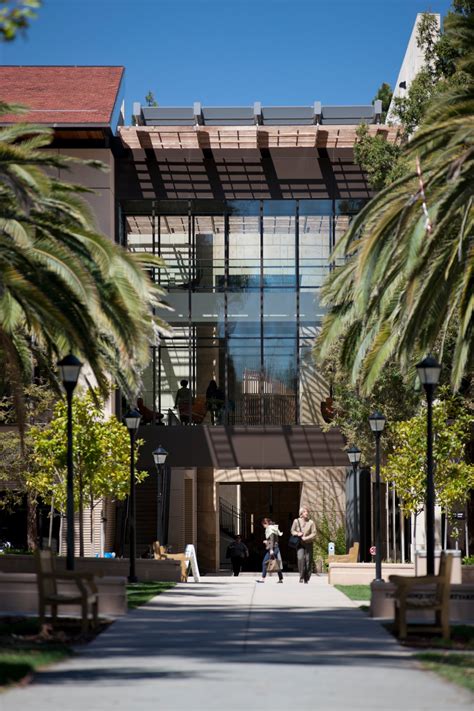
(140,593)
(355,592)
(15,665)
(457,668)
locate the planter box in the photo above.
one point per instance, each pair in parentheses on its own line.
(364,573)
(467,572)
(19,595)
(146,569)
(461,605)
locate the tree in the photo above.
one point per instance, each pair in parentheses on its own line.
(379,159)
(391,394)
(408,275)
(16,461)
(15,16)
(405,466)
(384,94)
(101,458)
(63,286)
(150,99)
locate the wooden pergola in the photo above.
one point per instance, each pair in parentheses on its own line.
(247,137)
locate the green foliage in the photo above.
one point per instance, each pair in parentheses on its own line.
(16,461)
(150,99)
(15,16)
(391,394)
(408,264)
(384,93)
(378,158)
(101,455)
(457,668)
(405,466)
(64,286)
(328,529)
(468,560)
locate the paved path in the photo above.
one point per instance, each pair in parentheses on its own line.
(233,645)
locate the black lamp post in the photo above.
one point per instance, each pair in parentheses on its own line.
(429,371)
(354,455)
(159,455)
(132,421)
(69,369)
(377,424)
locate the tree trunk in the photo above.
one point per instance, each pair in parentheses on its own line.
(81,518)
(31,523)
(92,526)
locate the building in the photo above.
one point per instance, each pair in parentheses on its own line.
(244,204)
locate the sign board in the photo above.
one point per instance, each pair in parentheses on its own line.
(372,550)
(190,553)
(331,548)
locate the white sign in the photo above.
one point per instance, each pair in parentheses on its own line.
(190,553)
(331,548)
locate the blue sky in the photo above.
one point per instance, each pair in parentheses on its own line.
(229,52)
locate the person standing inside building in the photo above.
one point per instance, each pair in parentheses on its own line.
(237,551)
(305,528)
(272,534)
(214,402)
(183,403)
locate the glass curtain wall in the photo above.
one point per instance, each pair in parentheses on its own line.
(243,279)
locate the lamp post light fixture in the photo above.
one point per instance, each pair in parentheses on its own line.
(429,371)
(354,455)
(377,424)
(69,369)
(159,456)
(132,421)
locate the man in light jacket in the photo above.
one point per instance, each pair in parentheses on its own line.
(305,528)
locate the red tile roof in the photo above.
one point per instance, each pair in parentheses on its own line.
(61,95)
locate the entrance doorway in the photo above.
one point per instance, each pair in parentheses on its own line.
(279,501)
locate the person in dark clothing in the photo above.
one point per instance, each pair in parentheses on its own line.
(214,402)
(237,551)
(183,403)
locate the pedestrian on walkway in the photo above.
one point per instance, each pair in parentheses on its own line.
(272,534)
(305,528)
(237,551)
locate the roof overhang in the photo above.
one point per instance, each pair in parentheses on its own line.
(247,137)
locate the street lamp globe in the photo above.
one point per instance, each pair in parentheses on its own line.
(354,455)
(69,369)
(429,371)
(159,455)
(377,422)
(132,420)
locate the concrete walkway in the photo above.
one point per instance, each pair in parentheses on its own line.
(231,644)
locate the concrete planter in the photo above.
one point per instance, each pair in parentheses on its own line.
(146,569)
(19,595)
(461,604)
(364,573)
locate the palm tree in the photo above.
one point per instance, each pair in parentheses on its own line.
(409,270)
(63,286)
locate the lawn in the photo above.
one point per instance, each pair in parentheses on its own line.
(16,664)
(355,592)
(457,668)
(23,649)
(140,593)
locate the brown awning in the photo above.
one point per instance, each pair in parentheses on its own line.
(247,137)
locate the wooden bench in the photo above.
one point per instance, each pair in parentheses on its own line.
(438,602)
(160,553)
(351,557)
(86,595)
